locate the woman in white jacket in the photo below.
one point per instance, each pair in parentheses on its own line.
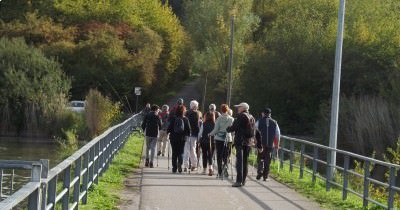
(223,139)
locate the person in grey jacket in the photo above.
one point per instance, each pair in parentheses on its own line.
(223,139)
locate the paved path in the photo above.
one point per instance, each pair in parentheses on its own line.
(160,189)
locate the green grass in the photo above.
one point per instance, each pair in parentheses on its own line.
(317,191)
(105,195)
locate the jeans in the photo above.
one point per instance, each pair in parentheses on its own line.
(151,143)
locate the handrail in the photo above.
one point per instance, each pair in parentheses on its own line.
(79,171)
(291,150)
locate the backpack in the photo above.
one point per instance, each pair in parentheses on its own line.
(179,126)
(250,131)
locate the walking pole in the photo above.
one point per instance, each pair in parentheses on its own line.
(254,160)
(230,160)
(277,158)
(169,147)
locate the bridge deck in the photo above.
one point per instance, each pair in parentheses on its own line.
(161,189)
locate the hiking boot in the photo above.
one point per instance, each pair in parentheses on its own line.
(180,169)
(146,164)
(173,170)
(258,177)
(266,179)
(158,153)
(244,183)
(237,184)
(163,155)
(185,170)
(151,165)
(210,172)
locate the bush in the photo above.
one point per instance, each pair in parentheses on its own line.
(100,112)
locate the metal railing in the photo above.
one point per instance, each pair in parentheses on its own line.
(309,152)
(77,173)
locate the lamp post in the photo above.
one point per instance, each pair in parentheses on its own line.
(229,95)
(336,93)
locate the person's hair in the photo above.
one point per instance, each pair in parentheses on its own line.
(212,107)
(210,117)
(154,107)
(230,112)
(165,107)
(224,108)
(180,110)
(194,104)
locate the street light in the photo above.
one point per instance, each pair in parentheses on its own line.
(229,95)
(336,93)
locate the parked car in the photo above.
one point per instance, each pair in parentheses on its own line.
(76,106)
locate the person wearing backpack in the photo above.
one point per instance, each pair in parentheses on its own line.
(270,135)
(178,130)
(207,142)
(163,139)
(151,125)
(244,128)
(194,117)
(223,140)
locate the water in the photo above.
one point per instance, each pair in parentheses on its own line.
(30,150)
(25,149)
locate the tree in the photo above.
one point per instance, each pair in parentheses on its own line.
(32,87)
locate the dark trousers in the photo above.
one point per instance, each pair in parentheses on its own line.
(242,156)
(177,152)
(207,150)
(223,153)
(264,161)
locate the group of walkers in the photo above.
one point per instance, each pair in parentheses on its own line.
(212,135)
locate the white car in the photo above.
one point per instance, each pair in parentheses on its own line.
(76,106)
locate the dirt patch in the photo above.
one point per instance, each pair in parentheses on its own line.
(130,195)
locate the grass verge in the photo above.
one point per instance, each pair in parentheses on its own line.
(314,191)
(105,194)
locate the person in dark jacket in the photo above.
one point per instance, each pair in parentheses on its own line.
(207,142)
(270,135)
(151,125)
(177,139)
(242,144)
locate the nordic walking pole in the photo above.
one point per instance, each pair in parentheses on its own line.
(169,147)
(254,160)
(277,158)
(230,160)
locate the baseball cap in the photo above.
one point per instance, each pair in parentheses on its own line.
(244,105)
(267,110)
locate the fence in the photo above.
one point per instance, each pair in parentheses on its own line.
(77,173)
(311,151)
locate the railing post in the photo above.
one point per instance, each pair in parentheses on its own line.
(34,198)
(66,185)
(96,162)
(1,183)
(345,176)
(392,183)
(302,161)
(85,181)
(366,183)
(291,155)
(77,185)
(12,181)
(281,153)
(328,171)
(315,165)
(52,191)
(45,173)
(91,163)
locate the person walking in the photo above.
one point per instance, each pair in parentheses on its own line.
(207,143)
(223,140)
(194,116)
(212,108)
(151,125)
(270,136)
(244,128)
(163,139)
(178,130)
